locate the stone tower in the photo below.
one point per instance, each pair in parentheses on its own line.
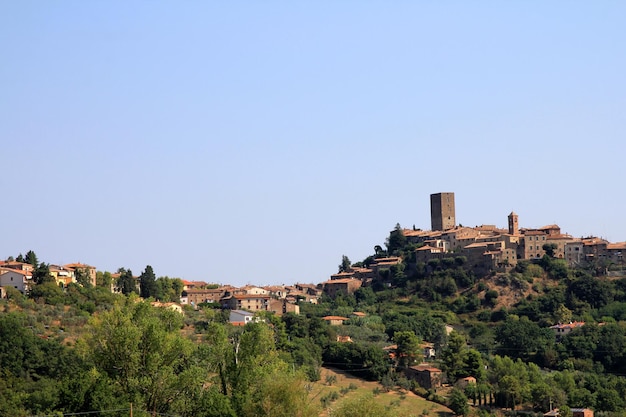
(442,211)
(513,224)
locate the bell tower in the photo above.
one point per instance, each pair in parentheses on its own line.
(513,224)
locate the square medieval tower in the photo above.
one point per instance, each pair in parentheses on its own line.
(442,211)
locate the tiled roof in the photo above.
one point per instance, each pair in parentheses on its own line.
(17,271)
(571,325)
(328,318)
(341,281)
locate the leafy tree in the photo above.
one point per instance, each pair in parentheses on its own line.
(522,338)
(126,282)
(452,356)
(408,348)
(597,293)
(279,394)
(149,362)
(82,277)
(345,265)
(549,248)
(104,279)
(458,402)
(168,289)
(147,283)
(49,292)
(41,274)
(396,240)
(31,258)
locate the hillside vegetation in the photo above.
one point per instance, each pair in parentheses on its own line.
(82,349)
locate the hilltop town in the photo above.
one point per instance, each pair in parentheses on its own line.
(483,249)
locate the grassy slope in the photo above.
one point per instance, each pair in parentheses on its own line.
(406,404)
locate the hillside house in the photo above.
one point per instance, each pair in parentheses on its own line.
(343,286)
(425,375)
(240,317)
(251,302)
(335,320)
(88,269)
(19,279)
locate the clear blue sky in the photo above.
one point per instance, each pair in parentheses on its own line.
(258,142)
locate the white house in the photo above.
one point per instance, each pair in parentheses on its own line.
(18,279)
(240,317)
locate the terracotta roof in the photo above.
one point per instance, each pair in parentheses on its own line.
(17,271)
(341,281)
(616,246)
(571,325)
(245,296)
(78,265)
(328,318)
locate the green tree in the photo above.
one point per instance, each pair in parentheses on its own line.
(550,248)
(41,274)
(453,354)
(104,279)
(458,402)
(396,240)
(522,338)
(126,282)
(82,277)
(147,283)
(148,361)
(408,348)
(345,265)
(31,258)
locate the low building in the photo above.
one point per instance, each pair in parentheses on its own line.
(251,302)
(89,270)
(202,295)
(341,286)
(240,317)
(561,330)
(19,279)
(335,320)
(282,306)
(170,306)
(581,412)
(425,375)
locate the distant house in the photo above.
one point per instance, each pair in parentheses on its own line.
(282,306)
(581,412)
(62,276)
(16,278)
(561,330)
(464,382)
(425,375)
(429,350)
(240,317)
(341,286)
(252,302)
(195,296)
(88,269)
(335,320)
(170,306)
(22,266)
